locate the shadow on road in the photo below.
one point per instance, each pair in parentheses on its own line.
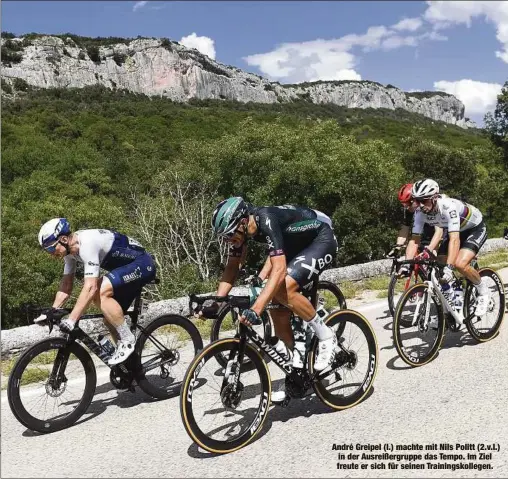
(394,367)
(98,406)
(305,407)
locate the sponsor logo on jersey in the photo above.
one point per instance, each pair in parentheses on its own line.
(136,274)
(303,226)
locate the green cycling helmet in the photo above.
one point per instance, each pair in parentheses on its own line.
(227,216)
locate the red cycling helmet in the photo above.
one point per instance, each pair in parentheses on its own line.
(405,193)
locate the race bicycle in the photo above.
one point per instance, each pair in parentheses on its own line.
(324,294)
(53,382)
(424,312)
(417,274)
(223,408)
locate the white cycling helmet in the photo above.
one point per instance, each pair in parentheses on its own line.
(425,189)
(52,229)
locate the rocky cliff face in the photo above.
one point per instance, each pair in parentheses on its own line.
(165,68)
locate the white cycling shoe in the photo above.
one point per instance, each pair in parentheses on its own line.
(278,397)
(482,304)
(123,350)
(326,353)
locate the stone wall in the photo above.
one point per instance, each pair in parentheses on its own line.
(16,339)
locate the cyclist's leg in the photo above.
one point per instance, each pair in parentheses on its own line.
(118,290)
(282,326)
(303,270)
(470,243)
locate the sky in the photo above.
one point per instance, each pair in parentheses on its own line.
(460,47)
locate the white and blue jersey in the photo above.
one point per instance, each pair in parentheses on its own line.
(129,265)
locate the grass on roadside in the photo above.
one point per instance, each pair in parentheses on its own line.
(496,260)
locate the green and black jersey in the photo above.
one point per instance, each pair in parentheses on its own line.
(286,229)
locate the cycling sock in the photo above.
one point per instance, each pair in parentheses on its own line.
(124,333)
(482,287)
(320,329)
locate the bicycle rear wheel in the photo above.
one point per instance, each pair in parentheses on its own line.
(51,385)
(164,351)
(485,328)
(330,296)
(218,417)
(350,377)
(417,339)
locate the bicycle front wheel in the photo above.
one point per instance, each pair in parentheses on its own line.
(222,408)
(51,385)
(165,349)
(418,326)
(351,375)
(486,327)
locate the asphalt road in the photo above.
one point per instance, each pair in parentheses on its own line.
(460,397)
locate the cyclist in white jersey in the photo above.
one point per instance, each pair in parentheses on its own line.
(466,234)
(129,268)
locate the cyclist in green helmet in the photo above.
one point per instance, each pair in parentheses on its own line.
(300,243)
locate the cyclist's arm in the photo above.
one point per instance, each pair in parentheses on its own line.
(269,227)
(89,290)
(267,268)
(416,232)
(89,253)
(64,290)
(276,279)
(453,247)
(235,260)
(453,219)
(436,238)
(402,235)
(412,246)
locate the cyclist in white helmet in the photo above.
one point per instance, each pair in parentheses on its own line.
(466,234)
(130,267)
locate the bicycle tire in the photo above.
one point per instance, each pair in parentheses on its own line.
(186,394)
(334,290)
(166,389)
(329,399)
(420,288)
(468,303)
(13,386)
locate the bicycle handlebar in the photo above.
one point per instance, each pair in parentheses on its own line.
(196,302)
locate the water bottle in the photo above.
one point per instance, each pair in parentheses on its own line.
(458,298)
(299,330)
(106,345)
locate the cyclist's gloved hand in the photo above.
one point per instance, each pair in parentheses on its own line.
(394,252)
(448,273)
(211,311)
(250,317)
(425,254)
(506,233)
(404,271)
(67,325)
